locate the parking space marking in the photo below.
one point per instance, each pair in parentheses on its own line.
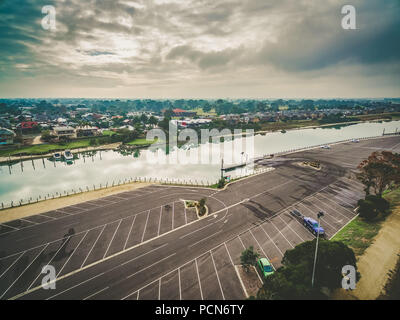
(262,228)
(338,204)
(42,214)
(339,195)
(28,221)
(159,222)
(149,266)
(333,209)
(48,263)
(69,258)
(328,214)
(173,210)
(96,293)
(24,271)
(115,232)
(91,249)
(244,247)
(281,234)
(184,206)
(15,261)
(130,230)
(179,281)
(198,279)
(334,228)
(192,245)
(259,244)
(216,272)
(288,225)
(145,225)
(4,225)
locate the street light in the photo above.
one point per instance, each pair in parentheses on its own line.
(320,215)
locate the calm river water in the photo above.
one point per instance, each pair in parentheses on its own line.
(39,179)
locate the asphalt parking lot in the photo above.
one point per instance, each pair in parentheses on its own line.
(144,244)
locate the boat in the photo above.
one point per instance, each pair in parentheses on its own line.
(283,131)
(57,156)
(68,155)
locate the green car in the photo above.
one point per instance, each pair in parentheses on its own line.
(265,267)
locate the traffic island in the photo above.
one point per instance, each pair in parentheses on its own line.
(201,210)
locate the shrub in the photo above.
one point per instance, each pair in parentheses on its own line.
(372,206)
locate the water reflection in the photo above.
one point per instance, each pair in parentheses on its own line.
(46,177)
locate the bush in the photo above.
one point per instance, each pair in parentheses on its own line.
(221,183)
(372,206)
(248,258)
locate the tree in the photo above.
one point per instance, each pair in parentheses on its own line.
(372,206)
(221,183)
(248,258)
(293,279)
(380,171)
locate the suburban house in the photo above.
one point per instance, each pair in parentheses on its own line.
(67,132)
(183,113)
(6,136)
(86,131)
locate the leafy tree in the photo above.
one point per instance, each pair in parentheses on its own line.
(380,171)
(293,279)
(249,258)
(372,206)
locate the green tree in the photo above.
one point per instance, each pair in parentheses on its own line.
(248,258)
(372,207)
(380,171)
(293,279)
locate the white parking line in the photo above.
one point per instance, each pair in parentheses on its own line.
(15,261)
(261,226)
(327,214)
(206,238)
(130,230)
(173,214)
(96,293)
(48,263)
(184,208)
(244,247)
(77,285)
(198,278)
(149,266)
(5,225)
(27,221)
(216,272)
(159,222)
(159,289)
(23,271)
(179,281)
(337,204)
(47,216)
(93,245)
(282,234)
(109,245)
(145,226)
(72,253)
(259,244)
(333,209)
(334,228)
(287,224)
(338,195)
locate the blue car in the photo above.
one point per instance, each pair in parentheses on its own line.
(312,225)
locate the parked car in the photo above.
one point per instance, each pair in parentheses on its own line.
(312,225)
(265,266)
(325,147)
(355,140)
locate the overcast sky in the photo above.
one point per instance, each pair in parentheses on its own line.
(199,49)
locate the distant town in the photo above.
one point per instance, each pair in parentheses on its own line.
(36,126)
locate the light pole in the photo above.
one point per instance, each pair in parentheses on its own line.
(320,215)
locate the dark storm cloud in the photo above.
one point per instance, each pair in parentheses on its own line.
(126,42)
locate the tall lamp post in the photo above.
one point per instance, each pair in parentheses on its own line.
(320,215)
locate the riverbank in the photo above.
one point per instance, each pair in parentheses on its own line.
(53,204)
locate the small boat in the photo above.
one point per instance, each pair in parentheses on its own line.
(57,156)
(283,131)
(68,155)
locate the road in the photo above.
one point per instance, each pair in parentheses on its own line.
(144,244)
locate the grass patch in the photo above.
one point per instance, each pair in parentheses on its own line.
(359,234)
(45,148)
(141,142)
(108,133)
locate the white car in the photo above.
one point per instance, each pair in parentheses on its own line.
(325,147)
(355,140)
